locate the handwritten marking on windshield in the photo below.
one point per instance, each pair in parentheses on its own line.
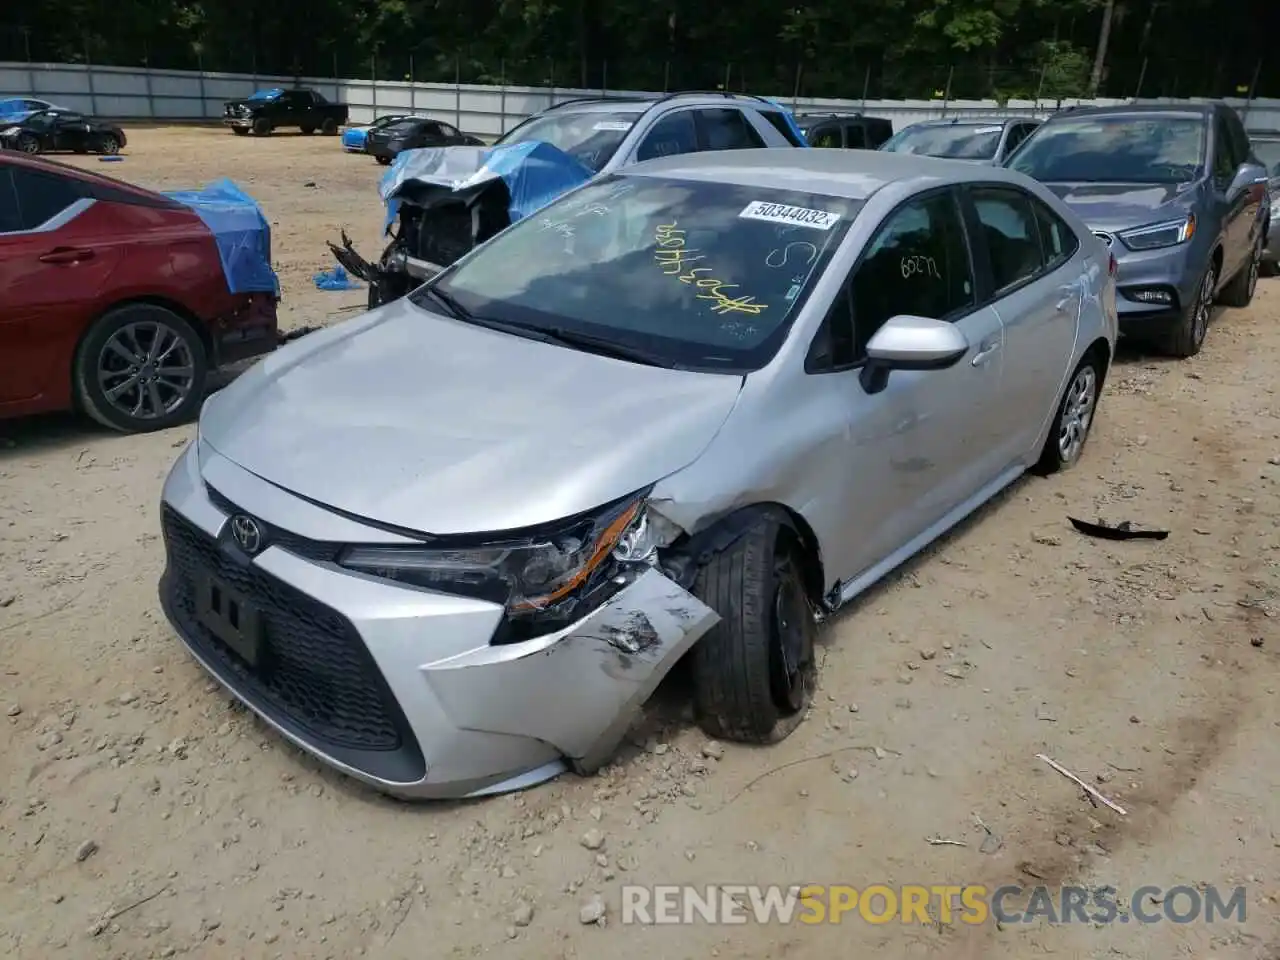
(779,257)
(672,254)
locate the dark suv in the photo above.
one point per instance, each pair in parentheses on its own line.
(1178,195)
(852,131)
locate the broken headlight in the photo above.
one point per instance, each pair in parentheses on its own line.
(540,578)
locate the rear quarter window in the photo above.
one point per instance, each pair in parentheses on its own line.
(779,123)
(42,196)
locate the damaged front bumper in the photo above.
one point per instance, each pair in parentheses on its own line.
(400,687)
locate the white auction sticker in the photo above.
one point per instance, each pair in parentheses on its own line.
(612,125)
(794,216)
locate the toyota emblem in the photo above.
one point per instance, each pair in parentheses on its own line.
(247,533)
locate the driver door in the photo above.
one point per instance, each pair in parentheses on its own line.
(70,132)
(924,445)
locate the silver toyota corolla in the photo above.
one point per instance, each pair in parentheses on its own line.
(450,547)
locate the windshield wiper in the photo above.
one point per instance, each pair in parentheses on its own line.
(605,347)
(560,335)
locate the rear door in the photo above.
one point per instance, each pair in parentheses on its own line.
(827,134)
(51,273)
(855,135)
(1028,274)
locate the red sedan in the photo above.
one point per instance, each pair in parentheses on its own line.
(113,299)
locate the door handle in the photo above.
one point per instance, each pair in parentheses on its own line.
(984,353)
(67,255)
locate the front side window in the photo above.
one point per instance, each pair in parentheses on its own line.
(781,123)
(918,264)
(1010,235)
(673,134)
(727,129)
(959,141)
(590,137)
(705,275)
(1123,148)
(1226,159)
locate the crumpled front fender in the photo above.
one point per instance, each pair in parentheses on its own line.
(578,690)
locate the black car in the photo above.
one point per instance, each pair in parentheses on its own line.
(851,131)
(272,109)
(384,143)
(49,130)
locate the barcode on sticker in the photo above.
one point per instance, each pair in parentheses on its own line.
(796,216)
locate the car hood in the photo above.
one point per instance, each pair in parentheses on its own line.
(410,419)
(1119,206)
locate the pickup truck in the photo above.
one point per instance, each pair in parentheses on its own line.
(267,110)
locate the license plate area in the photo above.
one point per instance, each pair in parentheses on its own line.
(229,617)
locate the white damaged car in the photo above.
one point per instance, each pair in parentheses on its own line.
(451,546)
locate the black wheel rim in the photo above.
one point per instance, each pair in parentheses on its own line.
(146,370)
(792,659)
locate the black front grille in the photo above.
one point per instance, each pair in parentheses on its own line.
(315,676)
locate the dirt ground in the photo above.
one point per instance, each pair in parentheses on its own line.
(143,814)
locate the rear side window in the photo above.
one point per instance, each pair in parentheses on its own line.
(1010,233)
(42,196)
(10,218)
(779,123)
(878,131)
(727,129)
(827,135)
(1058,240)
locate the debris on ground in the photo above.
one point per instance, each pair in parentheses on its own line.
(1091,790)
(335,279)
(1121,531)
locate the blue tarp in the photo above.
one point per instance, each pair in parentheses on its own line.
(791,120)
(241,232)
(270,94)
(535,173)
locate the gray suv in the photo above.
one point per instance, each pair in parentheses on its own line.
(976,139)
(1176,192)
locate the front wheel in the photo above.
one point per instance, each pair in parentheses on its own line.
(261,127)
(755,671)
(140,368)
(308,130)
(27,144)
(329,126)
(1186,339)
(385,161)
(1071,423)
(1239,290)
(240,131)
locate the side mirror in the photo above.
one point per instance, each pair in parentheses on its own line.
(1247,175)
(911,343)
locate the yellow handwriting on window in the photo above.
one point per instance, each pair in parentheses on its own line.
(675,257)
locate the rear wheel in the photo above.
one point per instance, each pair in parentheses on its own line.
(1239,290)
(1187,337)
(329,127)
(385,161)
(261,127)
(140,368)
(107,145)
(1074,417)
(755,671)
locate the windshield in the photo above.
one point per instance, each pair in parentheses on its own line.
(704,275)
(1268,151)
(959,141)
(590,137)
(1114,149)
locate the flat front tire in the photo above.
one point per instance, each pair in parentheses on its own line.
(140,368)
(755,671)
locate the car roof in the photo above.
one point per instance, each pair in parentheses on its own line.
(969,120)
(839,115)
(641,103)
(48,165)
(851,174)
(1184,110)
